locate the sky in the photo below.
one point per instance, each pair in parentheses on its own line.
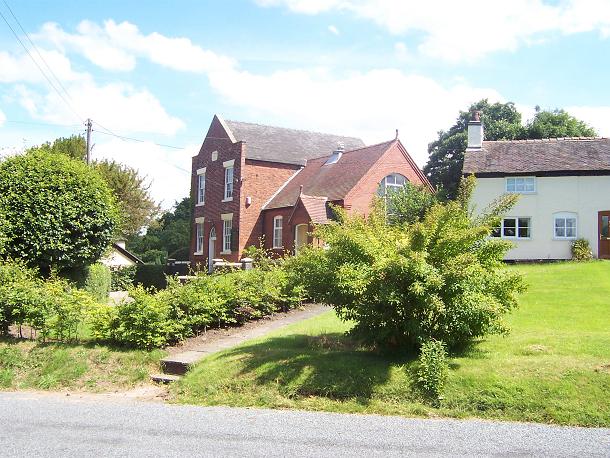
(151,75)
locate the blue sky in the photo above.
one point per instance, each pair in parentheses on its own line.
(158,71)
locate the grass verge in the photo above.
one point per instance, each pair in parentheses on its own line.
(553,367)
(28,364)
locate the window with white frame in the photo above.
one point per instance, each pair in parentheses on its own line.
(564,225)
(277,232)
(201,188)
(513,228)
(521,185)
(227,227)
(391,183)
(228,165)
(199,238)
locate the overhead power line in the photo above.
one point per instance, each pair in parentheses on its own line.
(42,72)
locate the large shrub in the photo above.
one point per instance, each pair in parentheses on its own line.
(441,278)
(59,213)
(95,279)
(122,278)
(150,276)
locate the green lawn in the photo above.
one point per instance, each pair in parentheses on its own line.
(28,364)
(554,366)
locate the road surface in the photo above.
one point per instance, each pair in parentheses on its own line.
(49,425)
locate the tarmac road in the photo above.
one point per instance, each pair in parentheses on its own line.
(50,425)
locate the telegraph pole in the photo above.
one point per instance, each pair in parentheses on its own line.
(88,124)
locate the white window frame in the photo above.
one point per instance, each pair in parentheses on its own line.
(517,227)
(200,187)
(520,185)
(565,216)
(383,184)
(199,236)
(278,232)
(229,177)
(227,227)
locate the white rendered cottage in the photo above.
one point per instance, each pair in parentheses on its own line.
(564,188)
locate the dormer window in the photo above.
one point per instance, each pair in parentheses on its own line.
(334,158)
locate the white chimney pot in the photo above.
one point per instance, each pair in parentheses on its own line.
(475,132)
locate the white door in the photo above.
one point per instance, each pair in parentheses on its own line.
(211,249)
(300,237)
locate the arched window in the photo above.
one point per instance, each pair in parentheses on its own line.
(391,183)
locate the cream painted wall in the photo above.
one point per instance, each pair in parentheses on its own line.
(583,195)
(115,259)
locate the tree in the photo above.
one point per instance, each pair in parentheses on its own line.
(441,278)
(556,124)
(59,213)
(410,203)
(501,121)
(73,146)
(167,236)
(132,192)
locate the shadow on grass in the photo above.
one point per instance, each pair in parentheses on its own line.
(327,365)
(87,344)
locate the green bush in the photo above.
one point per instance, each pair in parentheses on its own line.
(97,281)
(581,250)
(150,276)
(122,278)
(441,278)
(59,213)
(432,368)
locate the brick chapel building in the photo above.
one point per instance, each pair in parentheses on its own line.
(251,181)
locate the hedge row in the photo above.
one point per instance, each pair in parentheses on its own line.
(155,319)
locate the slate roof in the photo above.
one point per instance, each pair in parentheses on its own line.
(289,146)
(332,181)
(577,154)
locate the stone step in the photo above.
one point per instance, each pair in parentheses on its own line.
(164,378)
(180,363)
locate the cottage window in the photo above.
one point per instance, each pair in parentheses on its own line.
(513,228)
(521,185)
(201,188)
(565,225)
(391,183)
(277,232)
(227,226)
(228,165)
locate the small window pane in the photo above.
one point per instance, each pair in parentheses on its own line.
(510,227)
(560,227)
(605,224)
(510,185)
(529,185)
(495,232)
(524,227)
(520,184)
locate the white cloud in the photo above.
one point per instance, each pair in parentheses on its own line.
(21,68)
(465,31)
(369,105)
(334,30)
(401,50)
(115,46)
(597,117)
(168,170)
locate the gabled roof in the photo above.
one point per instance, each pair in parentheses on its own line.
(331,181)
(289,146)
(580,154)
(316,207)
(128,254)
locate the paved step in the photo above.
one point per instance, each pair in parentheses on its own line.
(180,363)
(164,378)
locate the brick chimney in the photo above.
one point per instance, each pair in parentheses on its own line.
(475,132)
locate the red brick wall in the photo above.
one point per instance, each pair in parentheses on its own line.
(300,216)
(359,199)
(216,140)
(260,180)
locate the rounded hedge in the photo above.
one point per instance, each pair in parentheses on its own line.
(58,212)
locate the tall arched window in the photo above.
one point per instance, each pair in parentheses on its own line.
(391,183)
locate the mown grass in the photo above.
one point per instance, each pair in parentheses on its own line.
(26,364)
(553,367)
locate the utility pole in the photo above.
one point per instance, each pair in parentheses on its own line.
(88,124)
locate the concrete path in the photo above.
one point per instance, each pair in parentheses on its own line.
(179,363)
(47,425)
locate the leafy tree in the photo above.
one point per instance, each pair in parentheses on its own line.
(410,203)
(59,212)
(555,124)
(167,236)
(501,121)
(74,146)
(132,192)
(441,278)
